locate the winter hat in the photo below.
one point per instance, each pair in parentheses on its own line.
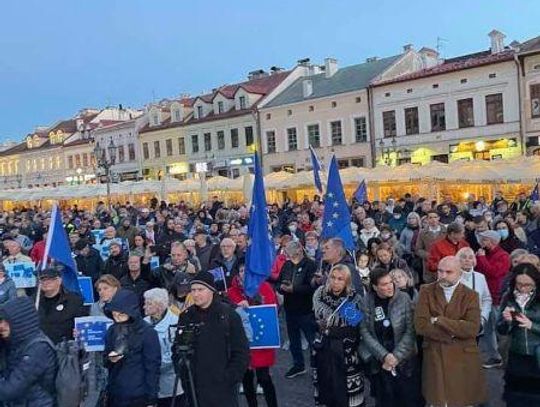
(204,278)
(491,235)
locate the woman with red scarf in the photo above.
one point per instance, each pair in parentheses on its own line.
(260,359)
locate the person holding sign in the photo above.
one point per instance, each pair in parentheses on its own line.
(260,359)
(390,341)
(339,379)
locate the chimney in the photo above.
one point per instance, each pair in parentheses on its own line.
(371,59)
(497,41)
(307,88)
(79,123)
(275,69)
(330,67)
(430,57)
(315,69)
(515,45)
(407,47)
(259,73)
(303,62)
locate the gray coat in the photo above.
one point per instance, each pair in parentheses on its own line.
(400,311)
(7,290)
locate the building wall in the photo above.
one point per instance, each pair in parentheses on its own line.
(451,88)
(531,71)
(82,171)
(154,167)
(315,111)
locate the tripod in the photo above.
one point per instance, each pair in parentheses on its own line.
(184,372)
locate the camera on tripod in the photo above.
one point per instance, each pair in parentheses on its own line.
(185,337)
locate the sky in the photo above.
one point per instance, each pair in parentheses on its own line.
(59,56)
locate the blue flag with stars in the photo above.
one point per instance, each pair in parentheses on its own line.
(336,215)
(350,313)
(535,196)
(361,192)
(264,322)
(316,164)
(260,252)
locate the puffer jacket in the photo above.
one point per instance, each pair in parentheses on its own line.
(523,341)
(29,376)
(8,291)
(134,379)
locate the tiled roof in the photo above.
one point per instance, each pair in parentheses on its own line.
(78,142)
(530,45)
(455,64)
(346,79)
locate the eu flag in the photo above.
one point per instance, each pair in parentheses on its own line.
(264,323)
(336,215)
(350,313)
(535,196)
(315,163)
(361,192)
(57,248)
(260,252)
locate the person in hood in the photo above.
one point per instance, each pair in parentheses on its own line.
(7,286)
(28,378)
(133,354)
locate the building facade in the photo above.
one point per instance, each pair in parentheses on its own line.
(461,108)
(529,59)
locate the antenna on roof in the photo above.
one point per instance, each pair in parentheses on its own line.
(440,44)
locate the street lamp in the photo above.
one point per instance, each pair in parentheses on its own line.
(387,151)
(106,163)
(18,178)
(79,177)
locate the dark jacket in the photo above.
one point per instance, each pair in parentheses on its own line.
(116,265)
(134,379)
(57,314)
(91,265)
(28,379)
(300,301)
(221,353)
(219,261)
(138,286)
(206,255)
(8,290)
(128,233)
(523,341)
(400,314)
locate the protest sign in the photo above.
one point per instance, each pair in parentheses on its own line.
(91,331)
(264,322)
(22,274)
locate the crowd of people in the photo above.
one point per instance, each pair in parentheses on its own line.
(435,293)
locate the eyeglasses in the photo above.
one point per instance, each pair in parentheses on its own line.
(525,285)
(444,271)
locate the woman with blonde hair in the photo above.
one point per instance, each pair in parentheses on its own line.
(338,376)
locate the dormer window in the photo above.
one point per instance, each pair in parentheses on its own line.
(29,142)
(220,107)
(242,100)
(199,112)
(177,115)
(155,119)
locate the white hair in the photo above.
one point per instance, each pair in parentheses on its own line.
(159,296)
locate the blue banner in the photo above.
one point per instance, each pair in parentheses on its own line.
(91,331)
(87,289)
(264,322)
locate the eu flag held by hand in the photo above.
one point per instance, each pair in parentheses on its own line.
(350,313)
(58,249)
(316,164)
(264,322)
(361,193)
(260,252)
(336,215)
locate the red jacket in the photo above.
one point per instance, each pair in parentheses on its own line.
(494,266)
(259,357)
(441,249)
(38,251)
(275,271)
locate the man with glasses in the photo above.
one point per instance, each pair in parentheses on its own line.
(227,260)
(448,317)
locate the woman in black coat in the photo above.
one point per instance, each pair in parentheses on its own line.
(509,241)
(133,354)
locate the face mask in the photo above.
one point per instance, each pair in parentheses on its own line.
(292,228)
(385,236)
(397,216)
(503,233)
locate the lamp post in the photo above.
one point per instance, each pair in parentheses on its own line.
(105,163)
(79,176)
(18,178)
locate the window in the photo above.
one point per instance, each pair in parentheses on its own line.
(70,162)
(220,107)
(221,140)
(335,130)
(131,152)
(249,135)
(334,104)
(121,155)
(409,90)
(199,112)
(360,130)
(168,147)
(292,139)
(435,86)
(357,162)
(344,163)
(268,116)
(465,113)
(207,141)
(389,123)
(146,153)
(177,115)
(84,161)
(464,80)
(535,100)
(358,99)
(77,160)
(271,141)
(234,138)
(494,108)
(411,120)
(438,120)
(242,100)
(289,112)
(155,120)
(492,75)
(311,108)
(195,143)
(314,135)
(157,149)
(181,146)
(387,95)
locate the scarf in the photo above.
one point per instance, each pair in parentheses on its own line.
(522,299)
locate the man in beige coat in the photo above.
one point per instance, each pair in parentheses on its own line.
(448,317)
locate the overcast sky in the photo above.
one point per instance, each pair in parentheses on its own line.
(57,57)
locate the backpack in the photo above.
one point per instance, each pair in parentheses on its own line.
(70,377)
